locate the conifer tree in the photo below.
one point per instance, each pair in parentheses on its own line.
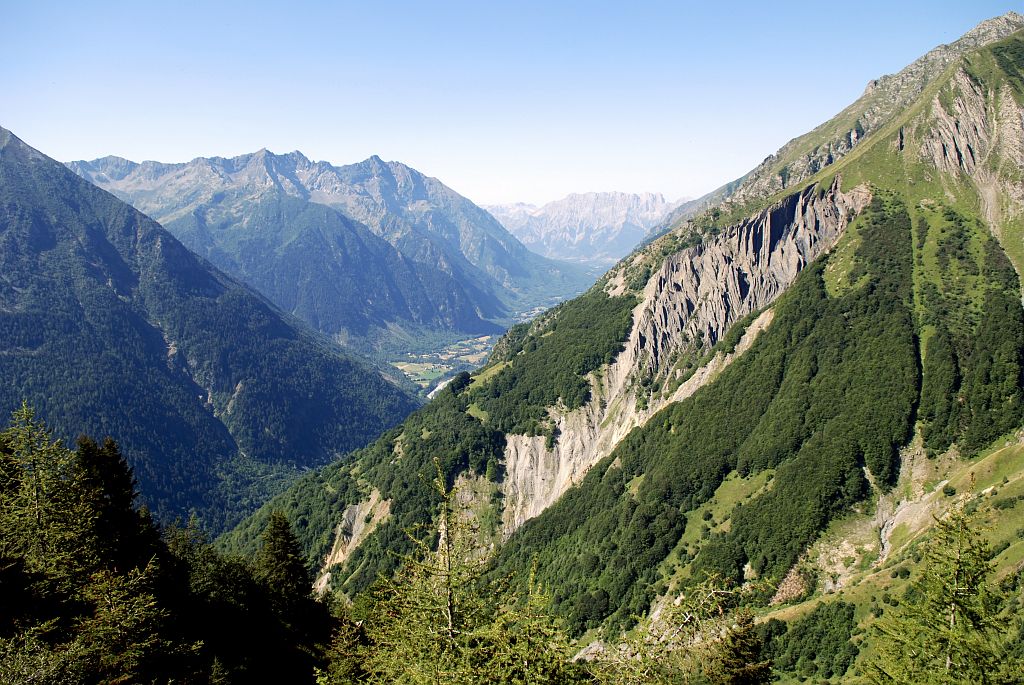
(90,593)
(345,656)
(428,617)
(948,629)
(43,518)
(526,644)
(125,638)
(127,536)
(737,657)
(28,657)
(281,566)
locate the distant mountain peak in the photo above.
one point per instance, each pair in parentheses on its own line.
(378,166)
(595,227)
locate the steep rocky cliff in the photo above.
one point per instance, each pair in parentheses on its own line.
(689,303)
(977,133)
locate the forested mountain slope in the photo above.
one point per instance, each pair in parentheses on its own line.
(110,326)
(746,383)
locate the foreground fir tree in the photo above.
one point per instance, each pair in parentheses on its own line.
(439,621)
(44,522)
(949,629)
(90,592)
(736,659)
(281,565)
(76,566)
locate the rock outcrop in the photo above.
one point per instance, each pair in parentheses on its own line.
(980,135)
(358,521)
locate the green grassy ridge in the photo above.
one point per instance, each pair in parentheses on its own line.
(994,66)
(982,65)
(597,546)
(750,418)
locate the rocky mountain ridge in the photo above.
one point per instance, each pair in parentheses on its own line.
(885,97)
(689,304)
(444,238)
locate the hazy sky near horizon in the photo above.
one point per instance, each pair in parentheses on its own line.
(523,101)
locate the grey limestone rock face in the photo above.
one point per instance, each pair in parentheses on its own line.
(700,292)
(977,135)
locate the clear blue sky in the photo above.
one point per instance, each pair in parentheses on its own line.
(503,101)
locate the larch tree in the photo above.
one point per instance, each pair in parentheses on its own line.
(949,628)
(427,617)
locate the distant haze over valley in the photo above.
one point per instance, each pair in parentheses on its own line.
(595,228)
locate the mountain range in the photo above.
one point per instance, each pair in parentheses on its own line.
(802,396)
(791,383)
(110,326)
(374,254)
(598,228)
